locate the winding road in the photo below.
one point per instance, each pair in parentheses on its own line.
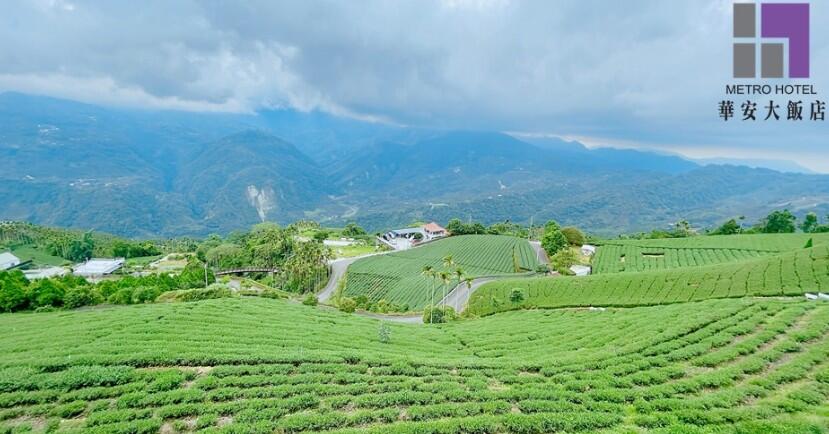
(457,298)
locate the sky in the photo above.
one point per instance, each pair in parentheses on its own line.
(633,73)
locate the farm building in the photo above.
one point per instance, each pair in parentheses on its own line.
(98,267)
(434,230)
(588,250)
(44,273)
(7,260)
(581,270)
(403,239)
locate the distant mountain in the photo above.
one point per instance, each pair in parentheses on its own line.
(784,166)
(150,174)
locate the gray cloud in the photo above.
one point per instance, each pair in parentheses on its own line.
(648,71)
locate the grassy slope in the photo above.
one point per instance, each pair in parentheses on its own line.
(40,258)
(396,277)
(264,365)
(789,273)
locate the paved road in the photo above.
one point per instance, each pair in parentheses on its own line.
(457,298)
(338,269)
(540,254)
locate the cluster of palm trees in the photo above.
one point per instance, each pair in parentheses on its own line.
(451,272)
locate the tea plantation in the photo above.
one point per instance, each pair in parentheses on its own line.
(263,366)
(784,274)
(616,256)
(397,277)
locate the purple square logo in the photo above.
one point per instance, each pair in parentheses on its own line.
(783,29)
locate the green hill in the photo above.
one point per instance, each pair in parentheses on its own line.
(397,277)
(262,366)
(785,274)
(616,256)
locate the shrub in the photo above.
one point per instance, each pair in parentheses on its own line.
(574,236)
(145,294)
(438,314)
(347,305)
(310,300)
(217,290)
(47,292)
(383,333)
(517,295)
(81,296)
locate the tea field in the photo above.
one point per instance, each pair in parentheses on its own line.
(785,274)
(615,256)
(268,366)
(397,277)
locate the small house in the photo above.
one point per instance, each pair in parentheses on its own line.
(588,250)
(581,270)
(7,261)
(434,230)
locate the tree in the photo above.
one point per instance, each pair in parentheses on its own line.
(551,226)
(320,235)
(195,275)
(226,256)
(778,222)
(81,250)
(81,296)
(353,230)
(455,227)
(574,236)
(553,241)
(47,292)
(810,223)
(13,286)
(563,260)
(730,227)
(682,229)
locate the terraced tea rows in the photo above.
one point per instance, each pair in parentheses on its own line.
(758,366)
(397,277)
(615,256)
(787,274)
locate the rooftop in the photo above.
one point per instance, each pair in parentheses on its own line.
(95,267)
(7,257)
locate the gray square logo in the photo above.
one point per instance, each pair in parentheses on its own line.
(745,61)
(745,20)
(772,60)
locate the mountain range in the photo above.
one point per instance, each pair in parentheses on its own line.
(165,173)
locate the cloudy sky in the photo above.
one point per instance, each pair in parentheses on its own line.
(641,73)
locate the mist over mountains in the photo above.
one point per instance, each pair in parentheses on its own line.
(165,173)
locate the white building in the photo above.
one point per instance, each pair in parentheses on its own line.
(44,273)
(7,260)
(581,270)
(588,250)
(98,267)
(403,239)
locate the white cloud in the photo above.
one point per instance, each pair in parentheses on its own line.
(645,71)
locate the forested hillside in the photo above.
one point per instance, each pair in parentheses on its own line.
(151,174)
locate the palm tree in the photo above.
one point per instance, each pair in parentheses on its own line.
(444,278)
(468,280)
(448,262)
(429,272)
